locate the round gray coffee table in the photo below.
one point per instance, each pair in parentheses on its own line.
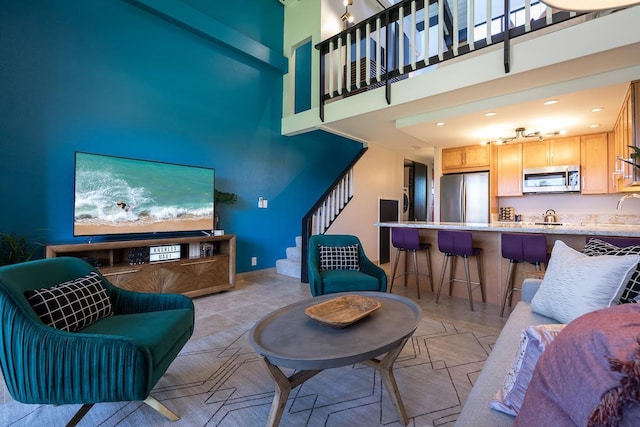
(289,338)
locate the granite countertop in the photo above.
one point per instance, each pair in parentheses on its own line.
(623,230)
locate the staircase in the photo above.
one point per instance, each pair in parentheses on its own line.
(292,264)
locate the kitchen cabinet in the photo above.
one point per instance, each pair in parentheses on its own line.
(466,159)
(551,152)
(509,169)
(627,132)
(594,164)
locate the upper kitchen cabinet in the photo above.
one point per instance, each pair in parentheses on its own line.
(594,164)
(551,152)
(466,159)
(627,132)
(509,169)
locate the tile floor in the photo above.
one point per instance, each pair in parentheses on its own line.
(258,293)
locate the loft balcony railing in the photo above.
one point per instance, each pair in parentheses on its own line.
(411,36)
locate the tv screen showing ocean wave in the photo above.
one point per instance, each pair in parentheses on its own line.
(118,195)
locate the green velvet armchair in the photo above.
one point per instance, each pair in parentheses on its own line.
(119,357)
(336,264)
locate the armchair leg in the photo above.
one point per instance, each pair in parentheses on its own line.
(80,414)
(152,402)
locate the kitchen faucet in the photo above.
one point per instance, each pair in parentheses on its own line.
(626,196)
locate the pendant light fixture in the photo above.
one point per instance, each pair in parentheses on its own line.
(346,17)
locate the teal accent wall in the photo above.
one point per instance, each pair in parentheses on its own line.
(303,78)
(109,77)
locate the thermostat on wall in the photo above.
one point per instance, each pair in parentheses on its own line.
(164,253)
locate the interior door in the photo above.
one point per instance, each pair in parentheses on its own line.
(388,212)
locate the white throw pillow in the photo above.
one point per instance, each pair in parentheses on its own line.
(575,284)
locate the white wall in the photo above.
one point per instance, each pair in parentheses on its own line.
(378,175)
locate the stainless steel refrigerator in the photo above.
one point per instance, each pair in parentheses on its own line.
(464,197)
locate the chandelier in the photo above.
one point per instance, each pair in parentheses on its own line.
(346,17)
(521,133)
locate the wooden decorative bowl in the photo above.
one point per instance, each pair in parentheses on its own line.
(342,311)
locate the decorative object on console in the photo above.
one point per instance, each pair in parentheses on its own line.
(575,284)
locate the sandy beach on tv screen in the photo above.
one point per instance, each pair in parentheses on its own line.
(97,229)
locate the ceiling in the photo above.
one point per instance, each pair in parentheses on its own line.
(578,86)
(571,115)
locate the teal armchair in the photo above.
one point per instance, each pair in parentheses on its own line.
(367,276)
(117,358)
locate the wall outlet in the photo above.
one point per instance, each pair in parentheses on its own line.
(254,261)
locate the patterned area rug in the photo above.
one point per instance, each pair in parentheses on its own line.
(218,380)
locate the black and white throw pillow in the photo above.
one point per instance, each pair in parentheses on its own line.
(339,257)
(72,305)
(596,247)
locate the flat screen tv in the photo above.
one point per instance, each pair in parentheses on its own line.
(118,195)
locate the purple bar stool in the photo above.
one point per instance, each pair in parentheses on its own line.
(408,239)
(459,244)
(518,248)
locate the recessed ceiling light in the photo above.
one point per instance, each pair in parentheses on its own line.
(551,102)
(490,114)
(440,124)
(594,126)
(596,109)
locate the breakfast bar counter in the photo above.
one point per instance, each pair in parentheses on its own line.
(488,237)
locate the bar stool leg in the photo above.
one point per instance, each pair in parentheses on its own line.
(395,267)
(509,287)
(454,258)
(415,269)
(466,274)
(480,283)
(428,253)
(445,259)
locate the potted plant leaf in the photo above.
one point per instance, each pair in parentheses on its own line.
(15,248)
(222,198)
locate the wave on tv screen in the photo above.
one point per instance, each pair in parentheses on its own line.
(117,195)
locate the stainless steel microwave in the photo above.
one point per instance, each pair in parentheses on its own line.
(551,179)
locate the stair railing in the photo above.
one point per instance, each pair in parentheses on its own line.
(326,210)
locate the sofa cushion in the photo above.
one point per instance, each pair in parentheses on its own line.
(533,341)
(575,284)
(156,330)
(348,280)
(72,305)
(574,375)
(476,411)
(595,247)
(339,257)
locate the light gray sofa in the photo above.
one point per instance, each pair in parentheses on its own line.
(476,411)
